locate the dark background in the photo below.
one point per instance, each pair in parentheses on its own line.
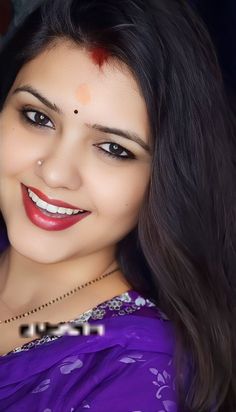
(220,18)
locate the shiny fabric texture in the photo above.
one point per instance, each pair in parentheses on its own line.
(127,369)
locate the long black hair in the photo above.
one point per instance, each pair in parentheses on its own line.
(182,253)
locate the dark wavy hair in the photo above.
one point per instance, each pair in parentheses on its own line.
(182,253)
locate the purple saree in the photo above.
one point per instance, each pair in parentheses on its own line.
(128,369)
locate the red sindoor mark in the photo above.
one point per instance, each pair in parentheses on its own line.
(99,55)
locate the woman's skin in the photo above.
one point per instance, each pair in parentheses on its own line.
(42,264)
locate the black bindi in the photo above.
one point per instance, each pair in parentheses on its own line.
(75,111)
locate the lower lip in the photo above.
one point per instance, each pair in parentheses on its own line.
(45,222)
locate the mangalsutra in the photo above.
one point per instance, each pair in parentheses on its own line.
(65,295)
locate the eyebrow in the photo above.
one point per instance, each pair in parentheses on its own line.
(105,129)
(123,133)
(39,96)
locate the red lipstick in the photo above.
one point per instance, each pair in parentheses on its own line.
(52,201)
(43,219)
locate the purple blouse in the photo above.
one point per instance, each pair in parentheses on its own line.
(127,369)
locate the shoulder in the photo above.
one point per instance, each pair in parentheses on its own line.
(137,372)
(134,322)
(134,381)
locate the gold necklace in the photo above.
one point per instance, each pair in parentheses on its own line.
(65,295)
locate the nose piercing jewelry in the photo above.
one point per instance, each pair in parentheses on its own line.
(40,162)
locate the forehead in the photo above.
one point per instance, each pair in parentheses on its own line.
(62,70)
(68,63)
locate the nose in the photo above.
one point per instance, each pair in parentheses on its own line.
(60,168)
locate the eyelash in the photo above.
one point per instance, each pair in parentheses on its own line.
(23,112)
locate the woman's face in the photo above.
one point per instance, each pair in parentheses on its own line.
(76,168)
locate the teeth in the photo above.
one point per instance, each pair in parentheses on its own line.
(51,208)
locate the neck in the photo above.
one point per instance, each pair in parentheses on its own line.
(39,282)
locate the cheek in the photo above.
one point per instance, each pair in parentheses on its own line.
(122,196)
(16,150)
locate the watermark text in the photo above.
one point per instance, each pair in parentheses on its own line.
(45,328)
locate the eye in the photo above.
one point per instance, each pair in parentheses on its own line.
(36,118)
(117,151)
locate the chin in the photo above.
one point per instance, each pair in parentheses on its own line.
(36,251)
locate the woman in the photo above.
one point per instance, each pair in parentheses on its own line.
(114,112)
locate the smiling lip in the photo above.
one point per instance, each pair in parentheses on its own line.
(55,202)
(37,215)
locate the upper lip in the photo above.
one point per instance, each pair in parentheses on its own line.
(52,201)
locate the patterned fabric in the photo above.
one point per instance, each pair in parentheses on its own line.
(128,369)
